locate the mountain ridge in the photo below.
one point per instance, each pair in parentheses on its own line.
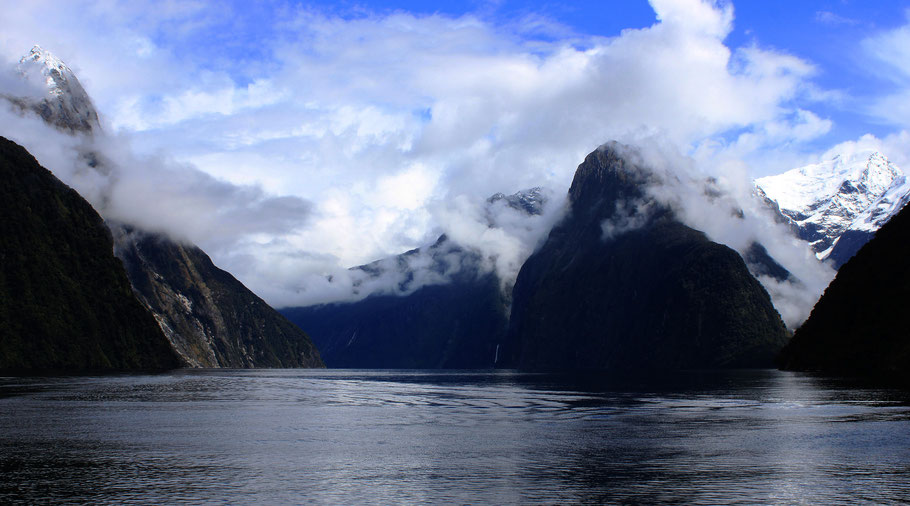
(836,205)
(621,285)
(456,321)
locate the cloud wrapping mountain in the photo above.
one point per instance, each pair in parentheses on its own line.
(327,110)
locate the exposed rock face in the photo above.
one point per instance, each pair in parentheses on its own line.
(837,205)
(209,317)
(66,105)
(530,201)
(621,285)
(453,324)
(65,300)
(859,326)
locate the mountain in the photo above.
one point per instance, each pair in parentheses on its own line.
(837,205)
(621,285)
(209,318)
(65,300)
(66,105)
(859,327)
(452,325)
(444,310)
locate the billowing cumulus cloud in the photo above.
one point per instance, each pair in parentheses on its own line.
(291,143)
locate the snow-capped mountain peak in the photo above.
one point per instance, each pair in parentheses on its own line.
(802,189)
(530,201)
(55,72)
(851,194)
(66,104)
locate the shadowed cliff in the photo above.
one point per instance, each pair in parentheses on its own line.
(622,285)
(65,300)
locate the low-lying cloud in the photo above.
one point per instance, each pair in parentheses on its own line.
(154,193)
(729,212)
(339,139)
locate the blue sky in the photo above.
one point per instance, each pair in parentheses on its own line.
(392,119)
(826,34)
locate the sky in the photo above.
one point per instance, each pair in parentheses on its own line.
(291,140)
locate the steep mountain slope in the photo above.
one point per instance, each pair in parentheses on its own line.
(859,325)
(458,320)
(65,301)
(621,285)
(455,325)
(209,317)
(837,205)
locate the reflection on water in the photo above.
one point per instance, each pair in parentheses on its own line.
(294,436)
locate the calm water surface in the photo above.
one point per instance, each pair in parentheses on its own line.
(291,436)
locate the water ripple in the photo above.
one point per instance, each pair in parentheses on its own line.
(380,437)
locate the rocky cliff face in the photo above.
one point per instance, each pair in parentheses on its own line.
(210,318)
(621,284)
(859,327)
(66,105)
(65,300)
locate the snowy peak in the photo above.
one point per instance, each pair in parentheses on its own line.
(803,189)
(852,194)
(66,104)
(56,73)
(530,201)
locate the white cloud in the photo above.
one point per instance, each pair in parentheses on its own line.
(154,193)
(889,52)
(393,126)
(830,18)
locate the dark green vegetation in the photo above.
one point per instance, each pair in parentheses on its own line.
(210,317)
(65,300)
(621,284)
(859,326)
(452,325)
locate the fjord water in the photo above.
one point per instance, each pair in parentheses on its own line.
(296,436)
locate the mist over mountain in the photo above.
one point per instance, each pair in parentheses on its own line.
(177,203)
(65,104)
(622,284)
(65,300)
(447,305)
(209,318)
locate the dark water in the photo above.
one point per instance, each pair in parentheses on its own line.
(345,437)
